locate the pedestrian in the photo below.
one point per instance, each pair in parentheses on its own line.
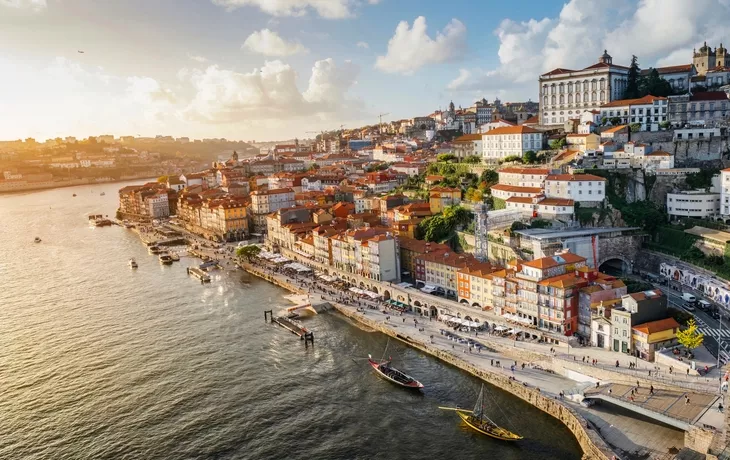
(598,384)
(610,391)
(631,398)
(651,389)
(670,370)
(632,392)
(637,384)
(617,363)
(584,359)
(719,407)
(686,402)
(492,362)
(687,372)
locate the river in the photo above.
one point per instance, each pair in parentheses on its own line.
(98,361)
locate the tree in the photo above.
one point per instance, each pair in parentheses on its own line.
(691,338)
(490,177)
(635,127)
(472,159)
(511,158)
(475,195)
(445,157)
(248,252)
(655,85)
(615,121)
(665,125)
(529,157)
(632,82)
(604,120)
(558,144)
(162,179)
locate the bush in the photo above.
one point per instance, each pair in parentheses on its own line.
(635,127)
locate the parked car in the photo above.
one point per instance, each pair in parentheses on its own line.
(704,305)
(689,298)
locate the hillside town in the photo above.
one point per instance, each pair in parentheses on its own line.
(535,212)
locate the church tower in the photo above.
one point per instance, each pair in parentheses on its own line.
(721,57)
(704,59)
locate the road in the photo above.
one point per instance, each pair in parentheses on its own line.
(706,324)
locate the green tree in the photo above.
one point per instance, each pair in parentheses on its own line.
(604,120)
(665,125)
(655,85)
(529,157)
(690,337)
(472,159)
(635,127)
(445,157)
(248,252)
(511,158)
(490,177)
(615,121)
(558,144)
(633,80)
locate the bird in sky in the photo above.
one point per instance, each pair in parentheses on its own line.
(80,52)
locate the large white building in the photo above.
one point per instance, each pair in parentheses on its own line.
(566,94)
(581,188)
(649,111)
(699,204)
(725,192)
(508,141)
(523,177)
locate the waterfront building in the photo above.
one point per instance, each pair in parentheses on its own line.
(475,285)
(264,202)
(411,249)
(635,309)
(654,335)
(369,252)
(603,291)
(439,270)
(151,201)
(566,93)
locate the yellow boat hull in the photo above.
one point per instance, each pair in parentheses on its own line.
(498,433)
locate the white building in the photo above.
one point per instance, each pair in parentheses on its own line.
(495,124)
(505,192)
(523,177)
(545,208)
(582,188)
(725,192)
(648,111)
(159,205)
(699,132)
(693,203)
(508,141)
(679,76)
(568,93)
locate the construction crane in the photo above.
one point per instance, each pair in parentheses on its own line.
(380,117)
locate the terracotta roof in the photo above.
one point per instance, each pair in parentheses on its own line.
(582,135)
(480,270)
(669,69)
(538,171)
(709,96)
(532,120)
(657,326)
(554,261)
(652,294)
(450,259)
(556,202)
(468,138)
(562,281)
(648,99)
(511,130)
(421,246)
(516,188)
(659,153)
(574,178)
(557,71)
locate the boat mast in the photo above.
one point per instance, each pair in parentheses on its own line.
(385,351)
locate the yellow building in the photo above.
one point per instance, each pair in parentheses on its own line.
(441,197)
(583,142)
(655,335)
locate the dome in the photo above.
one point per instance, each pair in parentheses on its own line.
(605,58)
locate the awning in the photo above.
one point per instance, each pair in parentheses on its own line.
(428,289)
(500,328)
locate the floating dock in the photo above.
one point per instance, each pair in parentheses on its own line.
(292,326)
(200,274)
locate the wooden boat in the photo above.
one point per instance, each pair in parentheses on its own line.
(390,373)
(477,420)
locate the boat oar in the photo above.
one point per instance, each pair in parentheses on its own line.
(455,409)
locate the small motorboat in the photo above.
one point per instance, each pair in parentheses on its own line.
(102,194)
(37,240)
(165,259)
(477,420)
(175,257)
(74,195)
(132,263)
(155,250)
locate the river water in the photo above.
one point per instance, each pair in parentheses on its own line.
(98,361)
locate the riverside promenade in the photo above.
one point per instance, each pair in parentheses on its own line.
(625,435)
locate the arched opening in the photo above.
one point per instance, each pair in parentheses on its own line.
(475,304)
(326,272)
(386,295)
(614,267)
(374,289)
(420,284)
(464,301)
(417,303)
(467,317)
(400,298)
(434,311)
(362,285)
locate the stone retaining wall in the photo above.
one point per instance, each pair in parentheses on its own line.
(594,447)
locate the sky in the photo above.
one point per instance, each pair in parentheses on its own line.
(278,69)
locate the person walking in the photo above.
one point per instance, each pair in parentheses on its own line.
(651,390)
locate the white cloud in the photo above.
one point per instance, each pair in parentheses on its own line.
(411,48)
(195,58)
(658,32)
(363,45)
(269,43)
(33,5)
(271,93)
(330,9)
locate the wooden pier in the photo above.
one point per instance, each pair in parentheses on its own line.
(292,326)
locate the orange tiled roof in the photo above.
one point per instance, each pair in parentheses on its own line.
(657,326)
(574,178)
(516,188)
(522,129)
(552,261)
(648,99)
